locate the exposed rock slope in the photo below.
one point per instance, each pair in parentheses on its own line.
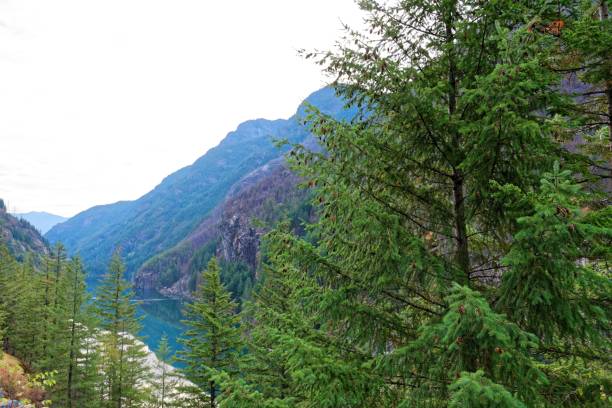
(229,232)
(20,236)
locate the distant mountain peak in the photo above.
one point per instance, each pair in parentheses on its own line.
(41,220)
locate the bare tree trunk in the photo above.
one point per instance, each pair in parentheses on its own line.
(603,15)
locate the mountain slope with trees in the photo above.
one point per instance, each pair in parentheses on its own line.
(43,221)
(460,257)
(160,219)
(232,232)
(19,236)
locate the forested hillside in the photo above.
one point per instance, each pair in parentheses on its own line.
(19,236)
(232,231)
(166,215)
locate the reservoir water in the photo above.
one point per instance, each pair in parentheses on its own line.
(161,315)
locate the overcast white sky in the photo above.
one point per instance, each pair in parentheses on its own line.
(101,99)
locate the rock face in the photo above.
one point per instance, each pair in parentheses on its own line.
(239,241)
(177,208)
(20,236)
(230,232)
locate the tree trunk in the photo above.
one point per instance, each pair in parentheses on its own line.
(212,394)
(603,15)
(72,336)
(462,255)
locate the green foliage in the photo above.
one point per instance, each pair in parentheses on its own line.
(238,278)
(22,239)
(549,264)
(446,266)
(122,353)
(471,337)
(474,390)
(165,385)
(48,327)
(583,52)
(199,261)
(212,340)
(459,256)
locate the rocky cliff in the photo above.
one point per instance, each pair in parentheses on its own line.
(232,231)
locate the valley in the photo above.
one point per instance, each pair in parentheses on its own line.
(219,206)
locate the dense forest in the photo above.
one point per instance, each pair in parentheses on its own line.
(458,255)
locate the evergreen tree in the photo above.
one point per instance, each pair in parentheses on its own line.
(413,282)
(48,327)
(212,341)
(165,380)
(77,298)
(123,354)
(265,378)
(71,353)
(7,266)
(56,317)
(6,271)
(25,330)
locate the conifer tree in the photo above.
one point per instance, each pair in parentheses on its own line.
(55,313)
(212,342)
(7,267)
(70,353)
(166,381)
(123,354)
(418,261)
(265,378)
(24,329)
(50,333)
(76,298)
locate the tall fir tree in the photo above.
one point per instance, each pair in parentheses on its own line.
(7,266)
(72,354)
(212,341)
(429,213)
(123,367)
(7,272)
(26,333)
(166,380)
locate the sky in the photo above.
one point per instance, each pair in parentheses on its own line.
(101,99)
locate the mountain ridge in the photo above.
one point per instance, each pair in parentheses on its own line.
(165,215)
(42,220)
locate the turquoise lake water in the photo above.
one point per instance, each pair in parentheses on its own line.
(161,316)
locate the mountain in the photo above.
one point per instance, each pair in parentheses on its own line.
(20,236)
(165,216)
(230,232)
(43,221)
